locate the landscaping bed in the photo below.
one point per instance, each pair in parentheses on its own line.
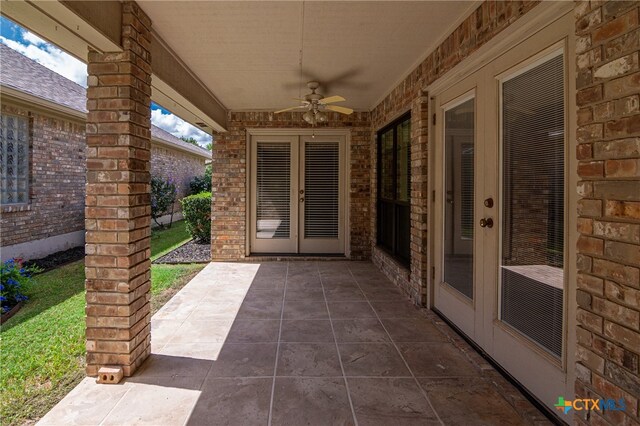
(58,259)
(190,252)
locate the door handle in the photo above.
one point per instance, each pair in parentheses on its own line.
(486,223)
(302,199)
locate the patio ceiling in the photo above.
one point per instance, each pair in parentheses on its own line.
(247,53)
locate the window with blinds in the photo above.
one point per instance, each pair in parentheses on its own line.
(273,190)
(322,189)
(394,188)
(14,159)
(532,267)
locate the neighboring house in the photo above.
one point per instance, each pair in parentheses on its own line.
(43,159)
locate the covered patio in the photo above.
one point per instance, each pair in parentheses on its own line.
(300,342)
(497,135)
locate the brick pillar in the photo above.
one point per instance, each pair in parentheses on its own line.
(228,191)
(419,198)
(117,215)
(608,151)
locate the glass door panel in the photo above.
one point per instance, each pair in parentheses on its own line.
(274,185)
(320,195)
(532,225)
(459,201)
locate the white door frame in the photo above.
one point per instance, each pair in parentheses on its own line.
(550,15)
(345,133)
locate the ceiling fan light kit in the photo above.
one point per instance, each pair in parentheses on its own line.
(316,106)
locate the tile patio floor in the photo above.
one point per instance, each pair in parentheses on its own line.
(299,343)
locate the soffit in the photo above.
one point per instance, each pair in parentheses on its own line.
(247,53)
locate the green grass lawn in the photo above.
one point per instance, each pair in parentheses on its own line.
(43,345)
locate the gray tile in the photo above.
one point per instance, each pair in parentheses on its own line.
(306,331)
(344,294)
(436,359)
(260,309)
(384,294)
(372,360)
(469,400)
(202,351)
(305,310)
(209,331)
(270,294)
(337,285)
(245,360)
(156,401)
(311,401)
(254,331)
(268,284)
(315,294)
(87,403)
(158,365)
(304,282)
(396,309)
(413,330)
(359,330)
(233,401)
(309,360)
(379,401)
(350,310)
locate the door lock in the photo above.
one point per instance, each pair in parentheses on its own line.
(302,199)
(488,202)
(486,223)
(301,191)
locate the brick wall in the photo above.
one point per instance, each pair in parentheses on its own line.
(58,176)
(489,19)
(179,166)
(57,181)
(229,179)
(608,98)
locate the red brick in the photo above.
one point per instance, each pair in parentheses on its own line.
(616,27)
(590,169)
(590,245)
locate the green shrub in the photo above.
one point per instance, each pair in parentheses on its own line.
(163,196)
(201,183)
(197,214)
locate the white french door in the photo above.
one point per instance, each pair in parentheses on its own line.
(297,187)
(502,230)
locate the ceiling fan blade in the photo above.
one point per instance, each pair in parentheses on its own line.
(332,99)
(289,109)
(341,110)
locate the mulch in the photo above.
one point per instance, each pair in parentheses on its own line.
(57,259)
(191,252)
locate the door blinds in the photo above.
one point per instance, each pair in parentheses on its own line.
(321,183)
(273,186)
(533,133)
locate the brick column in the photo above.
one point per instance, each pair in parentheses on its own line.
(419,198)
(228,192)
(117,214)
(608,151)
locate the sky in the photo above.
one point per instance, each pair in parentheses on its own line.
(50,56)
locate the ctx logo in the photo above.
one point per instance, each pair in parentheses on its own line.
(586,404)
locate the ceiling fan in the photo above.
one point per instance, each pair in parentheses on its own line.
(317,105)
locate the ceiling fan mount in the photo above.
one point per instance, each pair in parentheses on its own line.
(317,105)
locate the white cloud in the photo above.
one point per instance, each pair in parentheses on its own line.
(178,127)
(50,57)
